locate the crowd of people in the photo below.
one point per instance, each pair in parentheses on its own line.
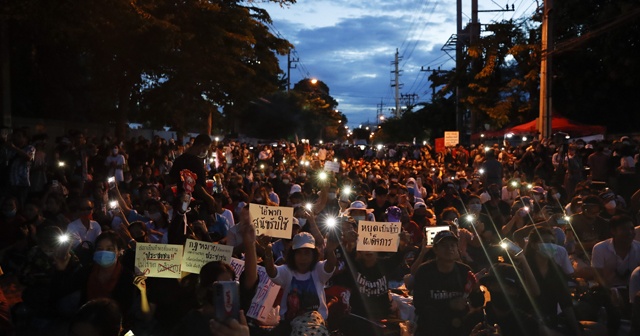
(535,239)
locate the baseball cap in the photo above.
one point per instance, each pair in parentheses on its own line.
(393,214)
(419,205)
(295,188)
(442,235)
(303,240)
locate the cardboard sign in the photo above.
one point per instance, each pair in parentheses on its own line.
(238,267)
(159,260)
(266,294)
(198,253)
(378,236)
(431,231)
(451,138)
(272,221)
(332,166)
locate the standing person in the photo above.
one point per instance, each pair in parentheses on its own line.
(20,156)
(115,164)
(302,279)
(573,164)
(440,298)
(492,170)
(193,160)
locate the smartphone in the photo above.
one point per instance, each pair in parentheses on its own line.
(112,182)
(226,300)
(510,247)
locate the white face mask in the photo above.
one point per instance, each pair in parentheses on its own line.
(285,181)
(556,196)
(258,199)
(610,205)
(302,221)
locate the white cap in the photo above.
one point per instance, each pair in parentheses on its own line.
(295,188)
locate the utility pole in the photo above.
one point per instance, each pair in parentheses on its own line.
(544,119)
(433,85)
(289,67)
(409,99)
(379,113)
(395,83)
(459,71)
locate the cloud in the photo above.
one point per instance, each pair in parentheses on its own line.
(350,45)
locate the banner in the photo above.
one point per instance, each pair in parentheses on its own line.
(159,260)
(272,221)
(378,236)
(198,253)
(266,294)
(332,166)
(440,145)
(431,231)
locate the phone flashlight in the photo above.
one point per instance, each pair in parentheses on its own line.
(335,160)
(529,186)
(322,176)
(261,166)
(113,204)
(526,208)
(481,171)
(514,184)
(284,160)
(346,190)
(308,206)
(63,238)
(469,217)
(306,163)
(331,222)
(60,163)
(111,179)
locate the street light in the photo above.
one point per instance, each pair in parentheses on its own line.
(314,81)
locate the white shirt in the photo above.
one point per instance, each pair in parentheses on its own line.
(604,257)
(285,277)
(78,233)
(634,284)
(229,216)
(119,160)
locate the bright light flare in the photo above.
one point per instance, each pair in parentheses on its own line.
(308,206)
(322,176)
(63,238)
(331,222)
(346,190)
(113,204)
(481,171)
(61,164)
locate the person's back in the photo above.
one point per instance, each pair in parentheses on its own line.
(598,164)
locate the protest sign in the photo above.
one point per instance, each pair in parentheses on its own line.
(159,260)
(266,294)
(451,138)
(198,253)
(332,166)
(271,221)
(238,267)
(378,236)
(431,231)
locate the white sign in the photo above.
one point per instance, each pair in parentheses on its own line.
(378,236)
(451,138)
(332,166)
(238,267)
(431,231)
(198,253)
(272,221)
(159,260)
(266,294)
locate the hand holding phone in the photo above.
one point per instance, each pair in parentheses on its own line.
(511,247)
(226,300)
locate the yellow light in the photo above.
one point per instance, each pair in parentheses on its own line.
(314,81)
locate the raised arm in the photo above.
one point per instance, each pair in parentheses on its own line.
(250,257)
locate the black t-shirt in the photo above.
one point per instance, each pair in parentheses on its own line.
(515,323)
(378,211)
(553,292)
(431,298)
(192,163)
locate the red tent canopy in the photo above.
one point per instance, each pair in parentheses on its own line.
(560,124)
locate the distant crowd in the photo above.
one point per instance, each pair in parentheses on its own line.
(536,239)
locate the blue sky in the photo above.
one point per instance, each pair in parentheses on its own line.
(350,45)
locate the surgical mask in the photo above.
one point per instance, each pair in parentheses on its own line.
(10,214)
(105,258)
(610,205)
(331,196)
(302,221)
(258,199)
(475,207)
(548,249)
(358,218)
(285,181)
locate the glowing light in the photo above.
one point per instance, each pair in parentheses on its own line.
(524,138)
(63,238)
(113,204)
(509,135)
(308,206)
(322,176)
(482,135)
(111,179)
(504,245)
(306,163)
(331,222)
(314,81)
(216,139)
(60,164)
(470,217)
(486,149)
(481,171)
(346,190)
(379,147)
(529,186)
(514,184)
(335,160)
(321,142)
(261,166)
